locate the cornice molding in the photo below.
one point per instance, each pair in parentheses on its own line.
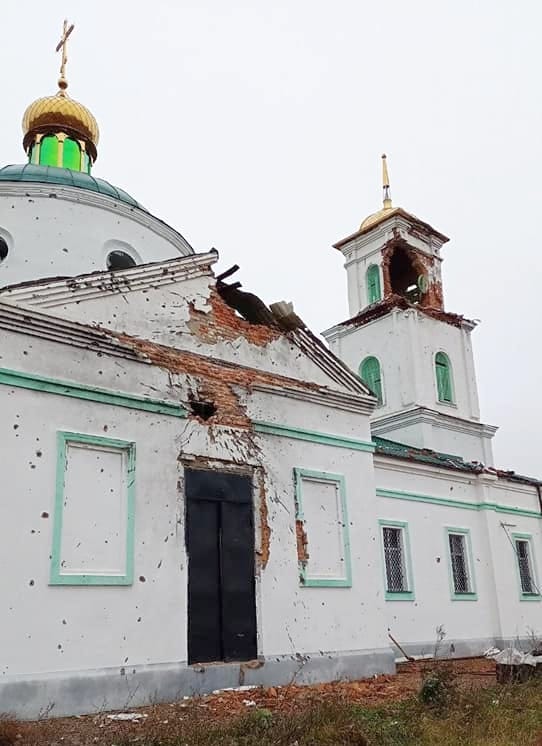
(323,396)
(98,284)
(422,415)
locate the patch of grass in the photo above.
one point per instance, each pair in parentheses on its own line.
(496,716)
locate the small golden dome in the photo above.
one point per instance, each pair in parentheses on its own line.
(60,113)
(378,217)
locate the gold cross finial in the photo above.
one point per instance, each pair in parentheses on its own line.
(62,45)
(386,194)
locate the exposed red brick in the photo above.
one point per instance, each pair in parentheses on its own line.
(216,378)
(302,541)
(265,528)
(376,310)
(423,264)
(221,323)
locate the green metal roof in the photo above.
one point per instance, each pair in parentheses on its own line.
(66,177)
(425,455)
(394,449)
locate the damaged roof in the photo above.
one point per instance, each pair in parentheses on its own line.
(388,304)
(51,292)
(392,448)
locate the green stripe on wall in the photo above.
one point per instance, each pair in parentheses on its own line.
(447,503)
(33,382)
(270,428)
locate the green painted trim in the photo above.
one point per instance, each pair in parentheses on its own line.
(448,503)
(526,596)
(337,479)
(17,379)
(472,594)
(398,595)
(56,576)
(326,439)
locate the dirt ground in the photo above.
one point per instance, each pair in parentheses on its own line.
(165,718)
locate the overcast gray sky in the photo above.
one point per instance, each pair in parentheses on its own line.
(257,128)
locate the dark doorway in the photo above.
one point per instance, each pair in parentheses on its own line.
(220,546)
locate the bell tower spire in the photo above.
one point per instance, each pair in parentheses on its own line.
(386,193)
(414,355)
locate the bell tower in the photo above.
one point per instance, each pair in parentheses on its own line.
(415,356)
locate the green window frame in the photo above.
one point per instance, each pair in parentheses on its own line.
(57,576)
(443,374)
(526,567)
(71,155)
(396,561)
(372,277)
(371,374)
(307,581)
(49,151)
(460,564)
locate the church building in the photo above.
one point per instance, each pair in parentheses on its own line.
(198,492)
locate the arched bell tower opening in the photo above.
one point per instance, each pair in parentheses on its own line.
(406,275)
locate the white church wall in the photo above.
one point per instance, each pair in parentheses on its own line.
(405,343)
(66,231)
(81,606)
(520,615)
(430,501)
(72,627)
(320,615)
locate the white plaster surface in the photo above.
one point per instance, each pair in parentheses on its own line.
(65,231)
(405,343)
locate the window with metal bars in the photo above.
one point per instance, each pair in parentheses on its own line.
(460,565)
(394,559)
(523,555)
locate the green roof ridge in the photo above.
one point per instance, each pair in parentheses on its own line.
(78,179)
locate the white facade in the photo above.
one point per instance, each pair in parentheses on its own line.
(429,501)
(406,342)
(53,230)
(364,521)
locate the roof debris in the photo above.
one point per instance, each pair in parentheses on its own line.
(383,307)
(394,449)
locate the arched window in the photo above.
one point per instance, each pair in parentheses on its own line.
(49,151)
(4,249)
(71,155)
(443,372)
(369,372)
(119,260)
(373,284)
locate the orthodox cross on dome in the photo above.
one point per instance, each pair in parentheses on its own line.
(62,45)
(385,183)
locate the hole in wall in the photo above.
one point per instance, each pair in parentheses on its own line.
(203,409)
(404,278)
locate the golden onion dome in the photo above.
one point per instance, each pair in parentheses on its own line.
(60,113)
